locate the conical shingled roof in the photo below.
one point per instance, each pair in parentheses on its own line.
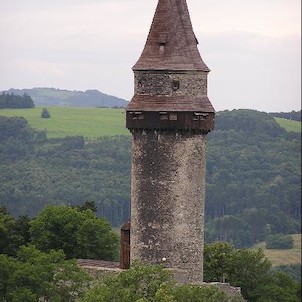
(171,43)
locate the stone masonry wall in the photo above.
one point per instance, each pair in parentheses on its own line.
(167,203)
(171,84)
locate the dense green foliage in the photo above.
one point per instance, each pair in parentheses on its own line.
(293,270)
(80,234)
(253,175)
(32,275)
(253,179)
(279,288)
(278,241)
(13,232)
(150,284)
(16,101)
(75,231)
(249,270)
(246,269)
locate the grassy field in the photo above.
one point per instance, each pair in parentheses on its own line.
(283,257)
(290,126)
(89,122)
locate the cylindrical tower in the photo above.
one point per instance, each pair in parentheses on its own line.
(169,117)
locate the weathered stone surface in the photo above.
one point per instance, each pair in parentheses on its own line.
(188,84)
(231,291)
(167,200)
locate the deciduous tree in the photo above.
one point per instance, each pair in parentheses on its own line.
(80,234)
(35,275)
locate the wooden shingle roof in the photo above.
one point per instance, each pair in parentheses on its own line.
(171,43)
(169,103)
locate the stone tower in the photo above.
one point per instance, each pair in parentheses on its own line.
(169,117)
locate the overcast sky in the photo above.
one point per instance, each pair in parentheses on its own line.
(253,47)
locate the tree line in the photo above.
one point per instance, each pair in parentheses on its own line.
(37,260)
(292,115)
(77,231)
(10,100)
(252,181)
(37,255)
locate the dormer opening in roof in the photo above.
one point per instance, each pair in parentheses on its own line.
(162,40)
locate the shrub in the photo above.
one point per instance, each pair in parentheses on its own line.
(279,241)
(80,234)
(45,113)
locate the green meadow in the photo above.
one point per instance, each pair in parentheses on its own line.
(91,122)
(289,125)
(283,257)
(88,122)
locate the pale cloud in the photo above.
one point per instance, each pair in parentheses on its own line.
(248,76)
(252,47)
(266,17)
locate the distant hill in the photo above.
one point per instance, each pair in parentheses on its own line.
(57,97)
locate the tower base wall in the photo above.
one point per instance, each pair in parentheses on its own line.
(167,200)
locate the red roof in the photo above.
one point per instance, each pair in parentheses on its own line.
(171,43)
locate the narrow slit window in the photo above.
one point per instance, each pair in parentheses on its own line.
(161,48)
(162,40)
(175,85)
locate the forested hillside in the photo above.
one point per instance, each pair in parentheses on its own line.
(15,101)
(36,171)
(253,178)
(253,175)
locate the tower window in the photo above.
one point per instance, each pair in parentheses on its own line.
(173,117)
(200,116)
(175,85)
(163,116)
(161,48)
(162,40)
(137,115)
